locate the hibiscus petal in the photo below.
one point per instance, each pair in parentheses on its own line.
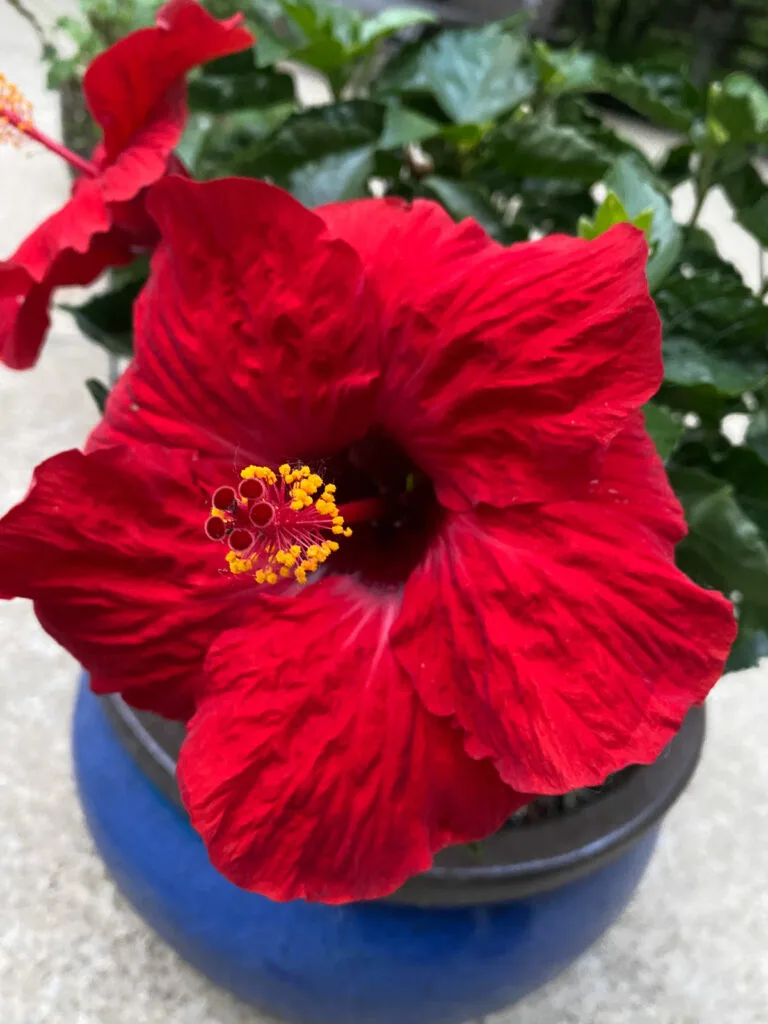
(124,85)
(255,335)
(313,771)
(562,638)
(634,483)
(507,371)
(112,551)
(72,247)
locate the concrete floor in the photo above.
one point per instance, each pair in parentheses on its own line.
(692,948)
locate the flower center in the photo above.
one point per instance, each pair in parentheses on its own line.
(276,525)
(16,124)
(391,503)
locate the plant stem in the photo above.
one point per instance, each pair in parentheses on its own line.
(703,183)
(83,166)
(28,15)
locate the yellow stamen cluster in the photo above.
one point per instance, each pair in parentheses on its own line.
(15,112)
(306,492)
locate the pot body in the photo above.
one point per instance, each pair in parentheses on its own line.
(368,963)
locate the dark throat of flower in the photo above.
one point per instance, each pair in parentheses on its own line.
(16,124)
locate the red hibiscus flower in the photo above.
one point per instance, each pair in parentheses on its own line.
(506,617)
(135,91)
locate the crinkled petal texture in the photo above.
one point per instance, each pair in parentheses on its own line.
(562,637)
(136,92)
(507,370)
(312,770)
(256,334)
(109,546)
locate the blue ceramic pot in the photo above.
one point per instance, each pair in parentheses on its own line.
(453,945)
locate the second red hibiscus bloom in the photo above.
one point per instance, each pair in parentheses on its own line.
(136,93)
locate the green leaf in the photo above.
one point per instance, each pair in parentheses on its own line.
(403,126)
(272,45)
(391,20)
(322,154)
(677,164)
(322,21)
(333,178)
(755,219)
(687,363)
(715,328)
(193,140)
(330,34)
(665,427)
(655,96)
(99,392)
(535,147)
(744,187)
(738,109)
(725,548)
(563,71)
(222,93)
(464,199)
(611,211)
(637,196)
(757,433)
(736,175)
(319,132)
(643,96)
(107,319)
(474,74)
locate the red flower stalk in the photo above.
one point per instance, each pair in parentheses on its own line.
(506,618)
(136,93)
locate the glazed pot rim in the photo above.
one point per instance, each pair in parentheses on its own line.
(517,861)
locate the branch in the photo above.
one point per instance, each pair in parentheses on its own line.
(17,5)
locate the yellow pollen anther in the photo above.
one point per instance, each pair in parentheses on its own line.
(15,112)
(260,473)
(278,531)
